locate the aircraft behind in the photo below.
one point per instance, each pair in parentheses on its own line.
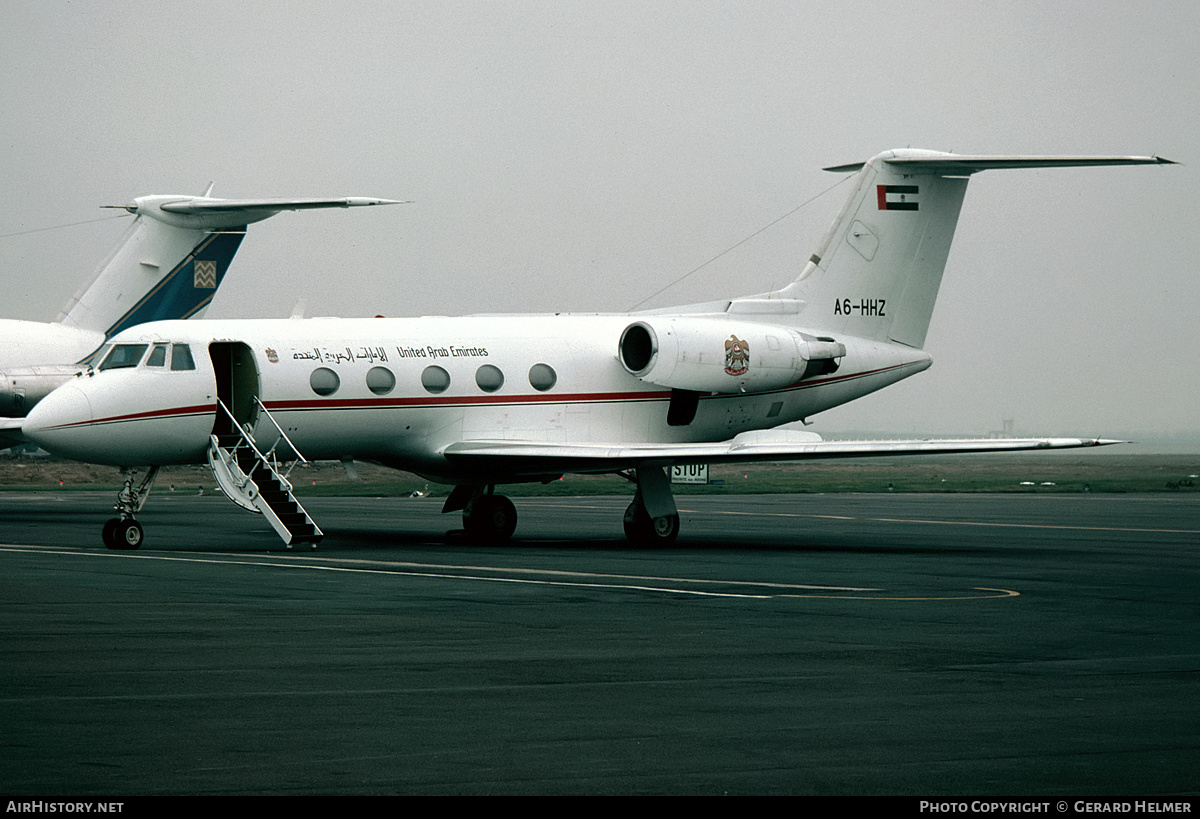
(168,265)
(480,401)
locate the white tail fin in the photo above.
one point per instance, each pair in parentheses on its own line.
(173,258)
(877,272)
(158,271)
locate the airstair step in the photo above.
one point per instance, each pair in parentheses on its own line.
(251,479)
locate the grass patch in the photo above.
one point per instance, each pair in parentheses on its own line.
(1017,472)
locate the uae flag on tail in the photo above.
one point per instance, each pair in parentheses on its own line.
(898,197)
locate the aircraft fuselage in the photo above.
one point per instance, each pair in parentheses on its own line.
(399,391)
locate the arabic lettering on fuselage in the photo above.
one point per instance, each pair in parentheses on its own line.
(330,355)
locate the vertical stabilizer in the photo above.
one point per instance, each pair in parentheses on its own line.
(158,271)
(877,272)
(173,258)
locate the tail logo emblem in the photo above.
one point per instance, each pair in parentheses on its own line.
(898,197)
(737,356)
(205,275)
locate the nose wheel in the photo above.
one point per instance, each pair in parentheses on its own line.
(122,534)
(125,533)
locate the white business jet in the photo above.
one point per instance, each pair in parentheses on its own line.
(486,400)
(168,265)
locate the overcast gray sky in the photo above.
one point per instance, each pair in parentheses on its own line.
(581,155)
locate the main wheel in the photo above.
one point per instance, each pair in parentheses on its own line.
(643,530)
(490,517)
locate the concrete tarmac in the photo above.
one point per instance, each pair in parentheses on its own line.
(1038,645)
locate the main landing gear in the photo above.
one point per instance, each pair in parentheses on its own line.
(651,520)
(643,530)
(124,532)
(487,517)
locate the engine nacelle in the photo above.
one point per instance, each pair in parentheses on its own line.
(21,388)
(722,355)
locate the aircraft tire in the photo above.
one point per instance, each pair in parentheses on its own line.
(643,530)
(127,535)
(490,517)
(108,535)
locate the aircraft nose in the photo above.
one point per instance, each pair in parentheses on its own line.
(52,420)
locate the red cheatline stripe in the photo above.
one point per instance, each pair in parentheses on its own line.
(466,400)
(201,409)
(462,400)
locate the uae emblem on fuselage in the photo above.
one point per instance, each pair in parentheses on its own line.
(737,356)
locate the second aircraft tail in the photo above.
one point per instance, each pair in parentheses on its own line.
(173,258)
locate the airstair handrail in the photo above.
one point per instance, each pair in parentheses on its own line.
(242,431)
(282,434)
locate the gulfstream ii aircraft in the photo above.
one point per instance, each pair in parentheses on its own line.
(479,401)
(168,265)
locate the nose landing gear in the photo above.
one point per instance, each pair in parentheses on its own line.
(124,532)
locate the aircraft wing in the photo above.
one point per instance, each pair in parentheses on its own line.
(10,432)
(538,458)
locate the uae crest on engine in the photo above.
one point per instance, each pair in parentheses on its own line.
(737,356)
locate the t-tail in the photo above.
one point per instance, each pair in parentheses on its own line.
(173,258)
(877,271)
(168,265)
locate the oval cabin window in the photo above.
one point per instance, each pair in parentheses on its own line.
(542,377)
(380,380)
(434,379)
(324,381)
(489,378)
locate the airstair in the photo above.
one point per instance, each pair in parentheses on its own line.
(255,480)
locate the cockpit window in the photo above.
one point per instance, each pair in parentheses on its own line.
(97,356)
(158,356)
(123,355)
(181,357)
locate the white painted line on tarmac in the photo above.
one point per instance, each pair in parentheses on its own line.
(518,575)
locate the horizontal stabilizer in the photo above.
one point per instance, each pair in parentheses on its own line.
(208,213)
(202,204)
(531,458)
(935,162)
